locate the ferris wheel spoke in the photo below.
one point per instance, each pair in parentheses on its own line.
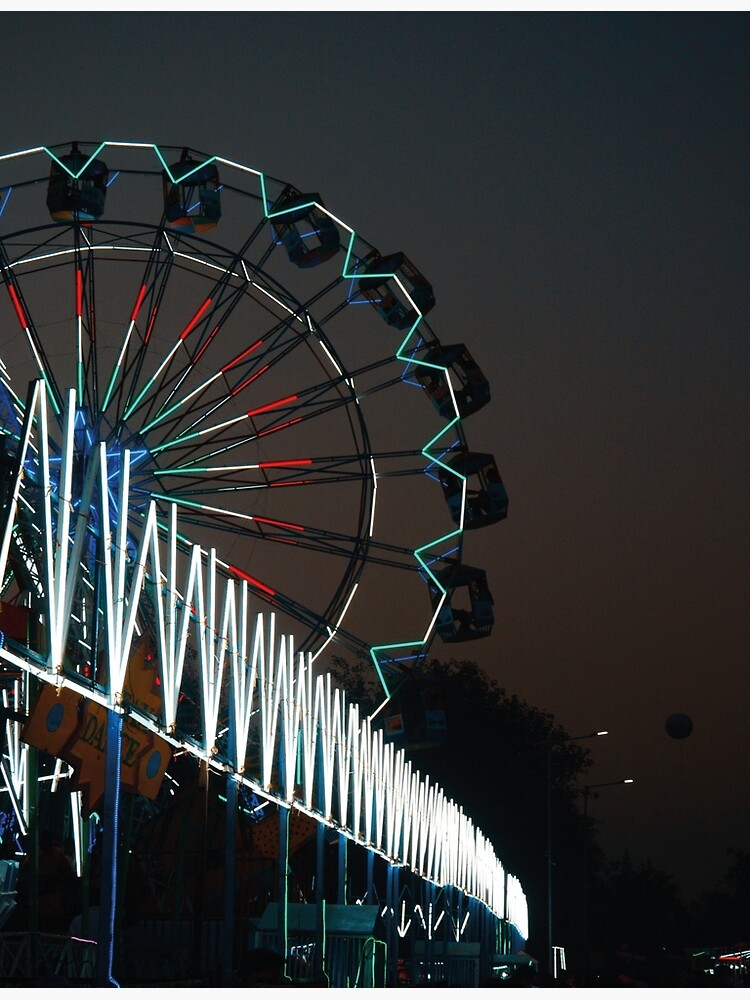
(171,382)
(220,300)
(303,536)
(324,293)
(239,374)
(146,394)
(336,543)
(318,624)
(148,303)
(224,297)
(85,319)
(244,369)
(81,386)
(237,261)
(269,529)
(153,383)
(286,407)
(121,369)
(276,473)
(26,323)
(195,395)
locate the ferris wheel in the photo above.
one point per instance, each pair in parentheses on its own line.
(272,376)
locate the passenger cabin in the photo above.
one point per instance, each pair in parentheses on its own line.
(467,612)
(391,304)
(77,188)
(192,203)
(308,234)
(486,497)
(471,388)
(415,715)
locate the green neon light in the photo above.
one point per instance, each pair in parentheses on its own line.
(375,650)
(111,386)
(163,161)
(378,671)
(416,644)
(263,194)
(79,380)
(349,251)
(440,433)
(418,556)
(438,461)
(419,361)
(161,416)
(175,441)
(180,537)
(400,645)
(402,356)
(416,323)
(374,942)
(183,470)
(325,939)
(50,394)
(295,208)
(83,168)
(130,409)
(178,500)
(182,177)
(437,541)
(436,458)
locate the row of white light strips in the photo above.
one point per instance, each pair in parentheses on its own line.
(381,801)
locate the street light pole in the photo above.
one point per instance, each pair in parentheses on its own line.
(587,789)
(550,942)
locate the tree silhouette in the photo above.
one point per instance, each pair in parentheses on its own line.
(640,924)
(496,759)
(723,915)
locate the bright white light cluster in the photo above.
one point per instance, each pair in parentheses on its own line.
(317,753)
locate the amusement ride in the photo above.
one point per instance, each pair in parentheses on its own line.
(232,449)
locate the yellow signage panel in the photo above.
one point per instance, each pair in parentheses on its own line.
(64,724)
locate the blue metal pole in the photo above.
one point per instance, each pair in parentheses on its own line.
(230,869)
(108,900)
(283,883)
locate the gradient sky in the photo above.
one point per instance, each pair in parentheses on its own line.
(575,187)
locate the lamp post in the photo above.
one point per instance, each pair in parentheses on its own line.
(550,942)
(587,789)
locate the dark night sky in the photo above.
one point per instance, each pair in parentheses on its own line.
(575,186)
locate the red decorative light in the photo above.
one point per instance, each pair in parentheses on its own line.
(150,326)
(242,356)
(290,462)
(195,320)
(272,406)
(17,306)
(249,380)
(208,341)
(279,427)
(252,581)
(278,524)
(138,304)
